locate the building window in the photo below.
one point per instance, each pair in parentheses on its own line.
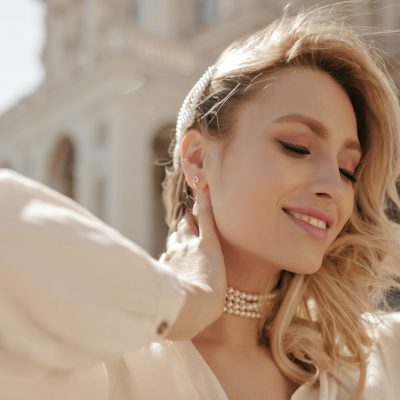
(160,159)
(62,168)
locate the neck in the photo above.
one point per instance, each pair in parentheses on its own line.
(256,277)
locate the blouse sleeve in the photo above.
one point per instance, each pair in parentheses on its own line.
(73,290)
(384,371)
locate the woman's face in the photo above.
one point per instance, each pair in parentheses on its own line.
(259,176)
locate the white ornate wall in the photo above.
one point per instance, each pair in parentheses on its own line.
(116,74)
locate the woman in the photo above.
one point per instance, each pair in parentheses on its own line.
(289,143)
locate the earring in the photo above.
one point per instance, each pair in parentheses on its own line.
(195,180)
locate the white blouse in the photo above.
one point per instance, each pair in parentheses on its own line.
(84,312)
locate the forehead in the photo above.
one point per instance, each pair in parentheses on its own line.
(301,91)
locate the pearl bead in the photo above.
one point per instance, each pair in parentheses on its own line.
(242,304)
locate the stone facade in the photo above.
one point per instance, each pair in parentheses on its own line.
(116,74)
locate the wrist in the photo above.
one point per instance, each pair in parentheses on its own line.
(202,307)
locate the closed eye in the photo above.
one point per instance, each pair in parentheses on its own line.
(294,149)
(348,175)
(303,151)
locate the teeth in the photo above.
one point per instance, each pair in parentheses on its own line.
(312,221)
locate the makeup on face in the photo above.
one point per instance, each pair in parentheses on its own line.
(316,136)
(310,225)
(295,147)
(303,151)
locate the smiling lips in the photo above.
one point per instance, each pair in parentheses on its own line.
(310,220)
(314,222)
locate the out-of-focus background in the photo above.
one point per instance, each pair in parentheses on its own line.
(90,90)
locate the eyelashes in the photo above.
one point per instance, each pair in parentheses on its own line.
(303,151)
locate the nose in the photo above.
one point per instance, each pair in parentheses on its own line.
(328,182)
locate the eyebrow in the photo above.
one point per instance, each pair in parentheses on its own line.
(316,127)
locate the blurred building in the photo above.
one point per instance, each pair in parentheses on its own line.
(116,75)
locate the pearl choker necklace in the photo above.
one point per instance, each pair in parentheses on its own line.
(242,304)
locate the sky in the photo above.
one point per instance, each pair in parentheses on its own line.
(21,40)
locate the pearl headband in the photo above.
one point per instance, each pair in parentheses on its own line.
(186,113)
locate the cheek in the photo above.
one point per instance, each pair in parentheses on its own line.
(345,216)
(245,203)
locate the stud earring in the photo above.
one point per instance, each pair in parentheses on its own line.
(195,180)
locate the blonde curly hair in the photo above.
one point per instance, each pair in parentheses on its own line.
(307,328)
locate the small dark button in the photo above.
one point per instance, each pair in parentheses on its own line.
(162,327)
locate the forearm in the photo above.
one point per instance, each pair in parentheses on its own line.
(73,291)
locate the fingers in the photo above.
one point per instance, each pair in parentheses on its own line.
(185,230)
(187,226)
(200,222)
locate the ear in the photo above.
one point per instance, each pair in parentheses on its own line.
(193,152)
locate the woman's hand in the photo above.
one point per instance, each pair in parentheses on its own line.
(194,252)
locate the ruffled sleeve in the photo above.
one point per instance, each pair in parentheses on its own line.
(73,290)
